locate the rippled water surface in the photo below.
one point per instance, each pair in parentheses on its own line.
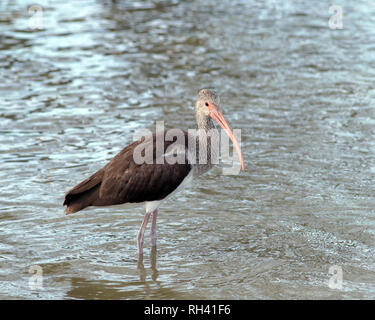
(73,93)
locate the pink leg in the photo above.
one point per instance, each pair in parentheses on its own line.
(141,233)
(153,228)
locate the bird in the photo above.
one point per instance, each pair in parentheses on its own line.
(151,169)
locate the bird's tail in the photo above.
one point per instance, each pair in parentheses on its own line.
(77,202)
(84,194)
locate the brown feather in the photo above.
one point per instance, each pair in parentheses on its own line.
(124,181)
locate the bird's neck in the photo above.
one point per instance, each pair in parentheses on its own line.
(204,122)
(208,142)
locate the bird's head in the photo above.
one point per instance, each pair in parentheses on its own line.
(206,101)
(208,105)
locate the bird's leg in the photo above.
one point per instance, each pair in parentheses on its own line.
(153,228)
(141,233)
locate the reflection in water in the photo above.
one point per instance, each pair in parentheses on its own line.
(82,288)
(141,268)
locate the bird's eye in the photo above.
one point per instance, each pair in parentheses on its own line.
(206,104)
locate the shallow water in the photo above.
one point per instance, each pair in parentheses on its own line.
(73,93)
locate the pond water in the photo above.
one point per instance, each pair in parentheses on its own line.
(79,77)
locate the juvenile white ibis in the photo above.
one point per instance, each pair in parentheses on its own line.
(125,181)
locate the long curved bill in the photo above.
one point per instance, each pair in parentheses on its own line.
(218,116)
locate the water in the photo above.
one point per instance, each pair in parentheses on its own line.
(73,93)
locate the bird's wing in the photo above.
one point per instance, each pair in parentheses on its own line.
(124,180)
